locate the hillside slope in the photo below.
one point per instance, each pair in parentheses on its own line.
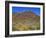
(25,21)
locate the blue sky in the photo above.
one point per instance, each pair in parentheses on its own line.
(21,9)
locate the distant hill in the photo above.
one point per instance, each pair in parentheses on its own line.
(26,14)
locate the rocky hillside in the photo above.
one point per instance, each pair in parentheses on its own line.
(20,21)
